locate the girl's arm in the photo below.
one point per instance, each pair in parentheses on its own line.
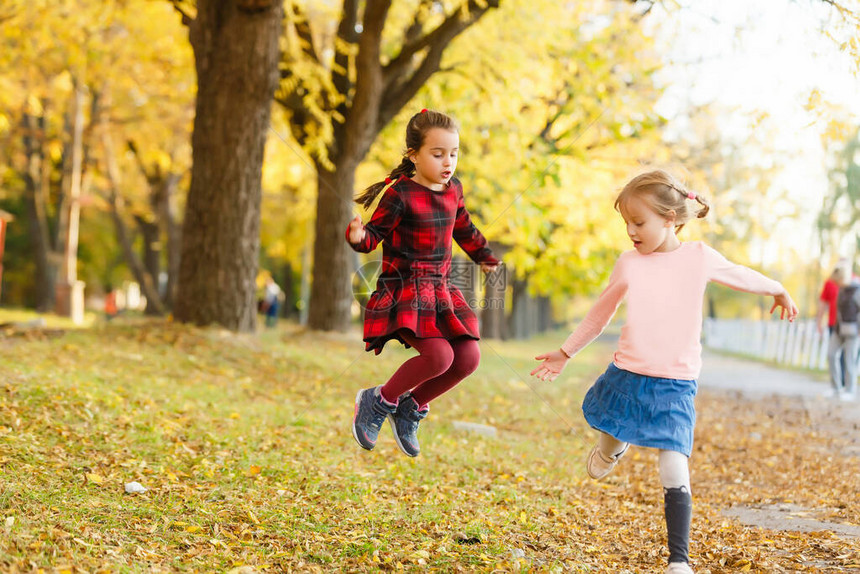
(599,315)
(384,219)
(741,278)
(588,330)
(469,238)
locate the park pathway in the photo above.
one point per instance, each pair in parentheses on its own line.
(753,380)
(746,382)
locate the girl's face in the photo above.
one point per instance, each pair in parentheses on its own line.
(649,231)
(436,160)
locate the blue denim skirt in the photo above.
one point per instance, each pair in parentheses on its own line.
(645,411)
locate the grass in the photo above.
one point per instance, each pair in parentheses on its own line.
(243,443)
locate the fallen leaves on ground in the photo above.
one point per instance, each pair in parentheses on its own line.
(243,444)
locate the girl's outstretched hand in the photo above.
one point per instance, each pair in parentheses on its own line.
(552,366)
(784,300)
(487,268)
(356,231)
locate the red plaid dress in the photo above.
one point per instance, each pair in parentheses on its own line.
(415,226)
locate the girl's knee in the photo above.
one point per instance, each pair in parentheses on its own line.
(439,357)
(467,358)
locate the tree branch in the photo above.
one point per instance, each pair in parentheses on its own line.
(453,24)
(139,160)
(346,35)
(186,18)
(116,203)
(360,126)
(397,91)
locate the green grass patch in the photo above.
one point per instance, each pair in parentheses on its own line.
(243,443)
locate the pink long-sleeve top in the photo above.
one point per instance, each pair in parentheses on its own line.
(664,294)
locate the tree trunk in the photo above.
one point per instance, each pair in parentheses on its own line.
(289,307)
(493,322)
(331,289)
(545,320)
(143,278)
(37,211)
(151,260)
(173,233)
(69,298)
(161,236)
(236,50)
(522,311)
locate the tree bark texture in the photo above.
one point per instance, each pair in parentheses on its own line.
(36,186)
(236,50)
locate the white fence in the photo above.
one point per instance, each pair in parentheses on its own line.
(797,344)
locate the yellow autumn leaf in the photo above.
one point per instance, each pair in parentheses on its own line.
(95,478)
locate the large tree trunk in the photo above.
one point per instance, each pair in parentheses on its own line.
(236,53)
(331,290)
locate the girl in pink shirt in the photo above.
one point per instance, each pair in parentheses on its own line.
(645,397)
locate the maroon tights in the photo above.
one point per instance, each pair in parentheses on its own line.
(440,365)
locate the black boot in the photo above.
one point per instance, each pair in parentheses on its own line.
(679,512)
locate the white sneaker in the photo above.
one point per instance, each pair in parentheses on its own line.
(599,465)
(679,568)
(848,397)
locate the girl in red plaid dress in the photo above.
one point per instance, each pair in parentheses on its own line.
(420,213)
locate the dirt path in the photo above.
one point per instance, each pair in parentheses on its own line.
(800,404)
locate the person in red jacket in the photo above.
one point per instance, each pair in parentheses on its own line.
(421,212)
(827,300)
(836,359)
(111,309)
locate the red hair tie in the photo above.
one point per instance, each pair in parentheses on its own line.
(424,111)
(387,180)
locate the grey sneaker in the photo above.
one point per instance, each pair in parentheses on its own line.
(370,413)
(405,422)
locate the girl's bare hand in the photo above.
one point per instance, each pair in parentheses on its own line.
(356,231)
(784,301)
(552,366)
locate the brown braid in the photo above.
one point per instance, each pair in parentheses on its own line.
(367,197)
